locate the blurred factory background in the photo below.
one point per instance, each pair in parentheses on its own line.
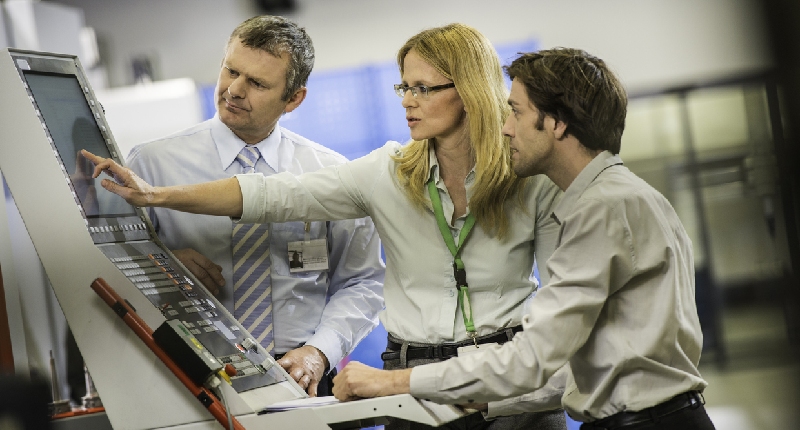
(714,98)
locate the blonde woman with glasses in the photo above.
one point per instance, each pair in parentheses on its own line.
(460,230)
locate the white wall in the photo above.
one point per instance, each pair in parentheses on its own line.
(3,29)
(44,26)
(650,43)
(165,106)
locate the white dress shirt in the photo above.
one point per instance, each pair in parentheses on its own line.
(420,289)
(331,310)
(620,308)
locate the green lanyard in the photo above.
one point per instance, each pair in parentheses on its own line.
(458,265)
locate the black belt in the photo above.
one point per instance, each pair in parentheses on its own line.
(691,399)
(444,350)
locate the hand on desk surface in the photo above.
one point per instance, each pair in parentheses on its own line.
(206,271)
(358,381)
(306,365)
(125,183)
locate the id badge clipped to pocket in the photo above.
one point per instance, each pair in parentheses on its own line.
(308,256)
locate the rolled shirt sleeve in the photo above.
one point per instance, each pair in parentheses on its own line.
(327,194)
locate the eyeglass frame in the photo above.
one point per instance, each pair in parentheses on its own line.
(420,89)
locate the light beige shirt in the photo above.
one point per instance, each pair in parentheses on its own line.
(620,308)
(419,287)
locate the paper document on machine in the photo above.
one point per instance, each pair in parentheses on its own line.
(309,402)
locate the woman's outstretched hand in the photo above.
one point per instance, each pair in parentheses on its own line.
(125,183)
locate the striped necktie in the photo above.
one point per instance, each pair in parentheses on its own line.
(252,292)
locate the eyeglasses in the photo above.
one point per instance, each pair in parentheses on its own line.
(424,90)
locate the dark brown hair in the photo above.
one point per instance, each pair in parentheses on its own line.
(578,89)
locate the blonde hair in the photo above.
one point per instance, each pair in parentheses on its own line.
(466,57)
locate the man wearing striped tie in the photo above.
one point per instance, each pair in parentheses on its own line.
(308,292)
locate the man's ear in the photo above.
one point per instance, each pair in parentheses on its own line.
(560,129)
(296,99)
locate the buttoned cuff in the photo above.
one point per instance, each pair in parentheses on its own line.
(328,343)
(424,383)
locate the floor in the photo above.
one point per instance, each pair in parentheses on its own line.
(758,386)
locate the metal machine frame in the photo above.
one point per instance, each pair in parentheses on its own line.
(137,389)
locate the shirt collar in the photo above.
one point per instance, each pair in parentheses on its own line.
(434,163)
(228,145)
(435,172)
(601,162)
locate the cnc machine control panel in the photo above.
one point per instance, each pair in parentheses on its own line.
(73,120)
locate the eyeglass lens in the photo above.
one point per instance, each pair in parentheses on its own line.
(416,90)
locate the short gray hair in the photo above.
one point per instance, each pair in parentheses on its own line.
(277,35)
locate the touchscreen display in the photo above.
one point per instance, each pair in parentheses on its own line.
(72,126)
